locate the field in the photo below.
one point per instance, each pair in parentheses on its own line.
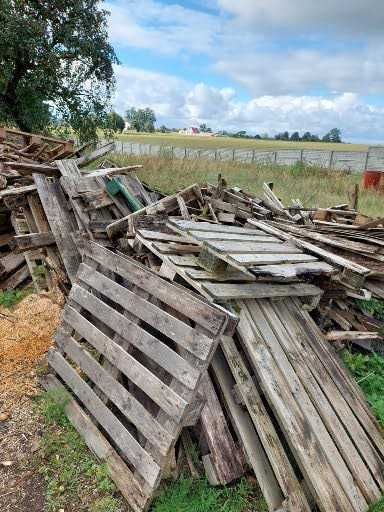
(313,186)
(202,142)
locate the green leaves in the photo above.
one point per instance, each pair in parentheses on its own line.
(56,65)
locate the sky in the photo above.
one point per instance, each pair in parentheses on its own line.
(264,66)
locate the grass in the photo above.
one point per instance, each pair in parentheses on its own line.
(313,186)
(74,478)
(368,371)
(186,495)
(10,298)
(377,507)
(202,142)
(372,307)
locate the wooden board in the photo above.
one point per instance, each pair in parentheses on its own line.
(120,313)
(324,421)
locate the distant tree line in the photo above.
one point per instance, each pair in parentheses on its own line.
(144,119)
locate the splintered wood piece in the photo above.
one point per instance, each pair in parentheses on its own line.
(33,241)
(228,291)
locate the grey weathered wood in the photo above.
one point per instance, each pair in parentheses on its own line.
(289,270)
(34,241)
(265,428)
(10,263)
(143,463)
(16,279)
(196,343)
(134,492)
(132,409)
(60,222)
(159,392)
(187,226)
(228,291)
(134,334)
(330,494)
(175,296)
(251,260)
(230,247)
(218,235)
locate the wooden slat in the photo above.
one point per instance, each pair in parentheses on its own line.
(187,337)
(206,235)
(230,247)
(145,342)
(251,260)
(159,392)
(310,453)
(34,241)
(228,291)
(185,225)
(289,270)
(143,462)
(60,222)
(177,297)
(132,409)
(129,487)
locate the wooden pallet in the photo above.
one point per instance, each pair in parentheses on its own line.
(327,425)
(132,348)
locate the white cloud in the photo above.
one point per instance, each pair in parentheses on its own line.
(264,72)
(178,103)
(347,17)
(165,29)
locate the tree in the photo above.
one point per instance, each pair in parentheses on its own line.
(295,136)
(55,59)
(333,135)
(307,136)
(163,129)
(115,122)
(141,119)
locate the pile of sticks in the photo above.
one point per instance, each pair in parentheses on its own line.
(209,318)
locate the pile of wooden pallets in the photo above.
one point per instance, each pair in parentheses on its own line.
(190,321)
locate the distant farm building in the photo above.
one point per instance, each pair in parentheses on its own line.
(190,131)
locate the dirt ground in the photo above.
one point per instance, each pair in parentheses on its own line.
(25,336)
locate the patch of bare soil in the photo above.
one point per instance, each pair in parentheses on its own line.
(25,336)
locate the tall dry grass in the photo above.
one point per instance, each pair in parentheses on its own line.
(315,187)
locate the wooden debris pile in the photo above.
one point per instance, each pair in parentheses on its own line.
(190,322)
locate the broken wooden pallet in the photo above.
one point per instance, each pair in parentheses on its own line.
(139,365)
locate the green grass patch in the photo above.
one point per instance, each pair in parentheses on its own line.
(187,495)
(74,478)
(368,370)
(10,298)
(372,307)
(377,507)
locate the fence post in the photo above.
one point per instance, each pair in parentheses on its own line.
(301,155)
(253,155)
(185,153)
(366,161)
(275,157)
(215,154)
(131,148)
(172,151)
(331,160)
(233,154)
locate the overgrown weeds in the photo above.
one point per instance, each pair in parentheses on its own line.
(368,370)
(10,298)
(314,186)
(74,478)
(186,495)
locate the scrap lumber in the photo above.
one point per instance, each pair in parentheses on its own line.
(148,459)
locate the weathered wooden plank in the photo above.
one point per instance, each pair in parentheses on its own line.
(255,453)
(175,296)
(251,260)
(228,291)
(15,279)
(132,409)
(265,428)
(184,260)
(15,191)
(142,461)
(34,241)
(186,226)
(184,335)
(10,263)
(60,222)
(134,334)
(228,275)
(159,392)
(291,270)
(130,488)
(206,235)
(158,235)
(230,247)
(309,451)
